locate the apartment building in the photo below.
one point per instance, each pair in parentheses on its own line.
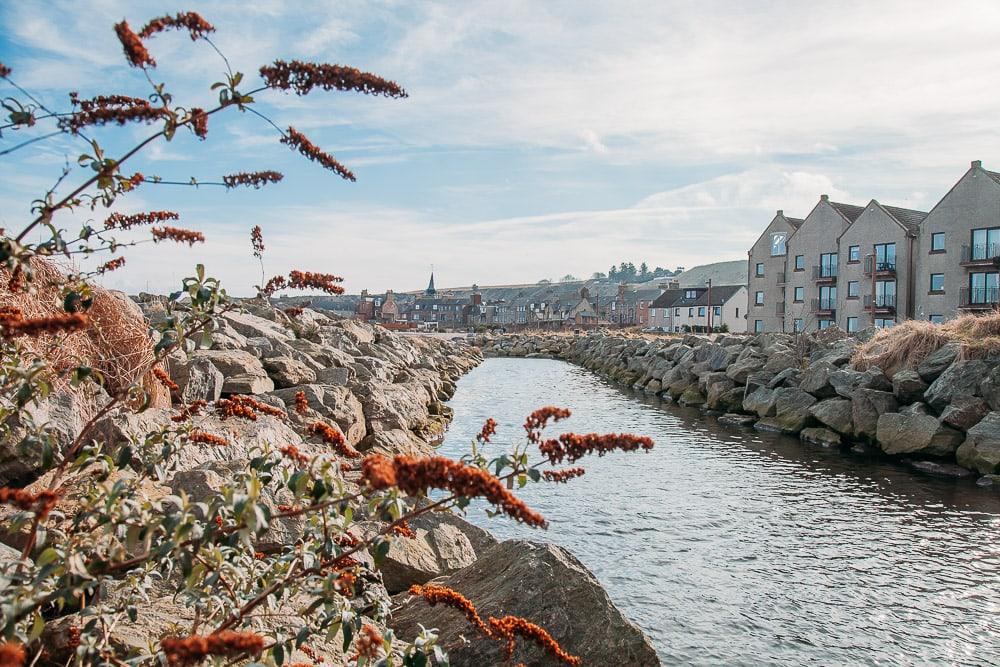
(959,248)
(766,274)
(876,265)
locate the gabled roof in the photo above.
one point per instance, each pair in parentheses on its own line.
(720,295)
(666,300)
(908,218)
(994,175)
(849,211)
(795,222)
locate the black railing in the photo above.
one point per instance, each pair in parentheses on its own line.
(978,297)
(881,301)
(824,305)
(825,272)
(879,267)
(980,252)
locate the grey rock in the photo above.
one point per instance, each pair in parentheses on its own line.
(760,401)
(962,377)
(916,434)
(964,412)
(287,372)
(936,362)
(835,413)
(198,379)
(938,469)
(786,378)
(816,380)
(341,376)
(791,409)
(733,419)
(542,582)
(908,386)
(981,449)
(867,405)
(247,384)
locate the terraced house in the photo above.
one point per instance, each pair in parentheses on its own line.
(876,265)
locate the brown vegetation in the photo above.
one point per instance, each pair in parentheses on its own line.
(909,343)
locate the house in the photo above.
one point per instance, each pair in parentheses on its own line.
(661,312)
(766,275)
(959,249)
(878,267)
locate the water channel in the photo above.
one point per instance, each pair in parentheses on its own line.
(730,546)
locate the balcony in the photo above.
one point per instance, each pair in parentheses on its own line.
(980,254)
(780,278)
(881,303)
(880,268)
(979,298)
(824,306)
(825,273)
(779,308)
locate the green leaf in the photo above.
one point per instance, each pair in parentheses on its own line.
(381,551)
(535,474)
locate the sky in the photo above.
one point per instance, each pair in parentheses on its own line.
(539,139)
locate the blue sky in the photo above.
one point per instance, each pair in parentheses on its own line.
(539,138)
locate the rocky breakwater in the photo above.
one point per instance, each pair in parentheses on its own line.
(941,416)
(385,393)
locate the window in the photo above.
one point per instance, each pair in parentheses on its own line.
(690,312)
(825,324)
(800,294)
(691,294)
(985,243)
(885,294)
(416,307)
(983,287)
(652,312)
(937,242)
(853,289)
(737,311)
(852,324)
(936,319)
(701,311)
(854,253)
(885,256)
(828,265)
(800,262)
(760,269)
(677,312)
(937,282)
(827,297)
(798,325)
(435,306)
(758,326)
(717,311)
(778,240)
(758,298)
(884,323)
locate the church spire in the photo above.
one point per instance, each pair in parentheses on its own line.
(430,291)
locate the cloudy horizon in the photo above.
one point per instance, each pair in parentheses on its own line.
(539,139)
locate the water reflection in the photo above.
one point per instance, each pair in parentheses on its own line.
(736,547)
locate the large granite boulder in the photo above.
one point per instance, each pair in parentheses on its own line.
(908,386)
(835,413)
(287,372)
(981,449)
(197,379)
(867,405)
(543,583)
(243,372)
(761,401)
(936,362)
(791,411)
(816,380)
(916,434)
(961,378)
(964,412)
(338,404)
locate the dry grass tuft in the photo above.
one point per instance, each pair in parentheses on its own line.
(906,345)
(117,344)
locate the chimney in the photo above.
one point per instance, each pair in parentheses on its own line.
(781,211)
(364,294)
(977,164)
(824,197)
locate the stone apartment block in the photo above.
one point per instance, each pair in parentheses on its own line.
(959,245)
(876,265)
(766,275)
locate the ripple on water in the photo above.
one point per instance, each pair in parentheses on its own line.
(734,547)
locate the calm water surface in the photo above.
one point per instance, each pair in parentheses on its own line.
(733,547)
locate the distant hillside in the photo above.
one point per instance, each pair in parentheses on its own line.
(721,273)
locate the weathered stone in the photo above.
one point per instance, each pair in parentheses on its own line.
(333,403)
(964,412)
(336,376)
(866,407)
(835,413)
(916,434)
(820,436)
(247,384)
(938,469)
(733,419)
(786,378)
(981,449)
(721,357)
(780,361)
(816,380)
(760,401)
(653,387)
(691,397)
(908,386)
(936,362)
(961,378)
(287,372)
(989,388)
(844,381)
(197,378)
(544,583)
(744,365)
(791,409)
